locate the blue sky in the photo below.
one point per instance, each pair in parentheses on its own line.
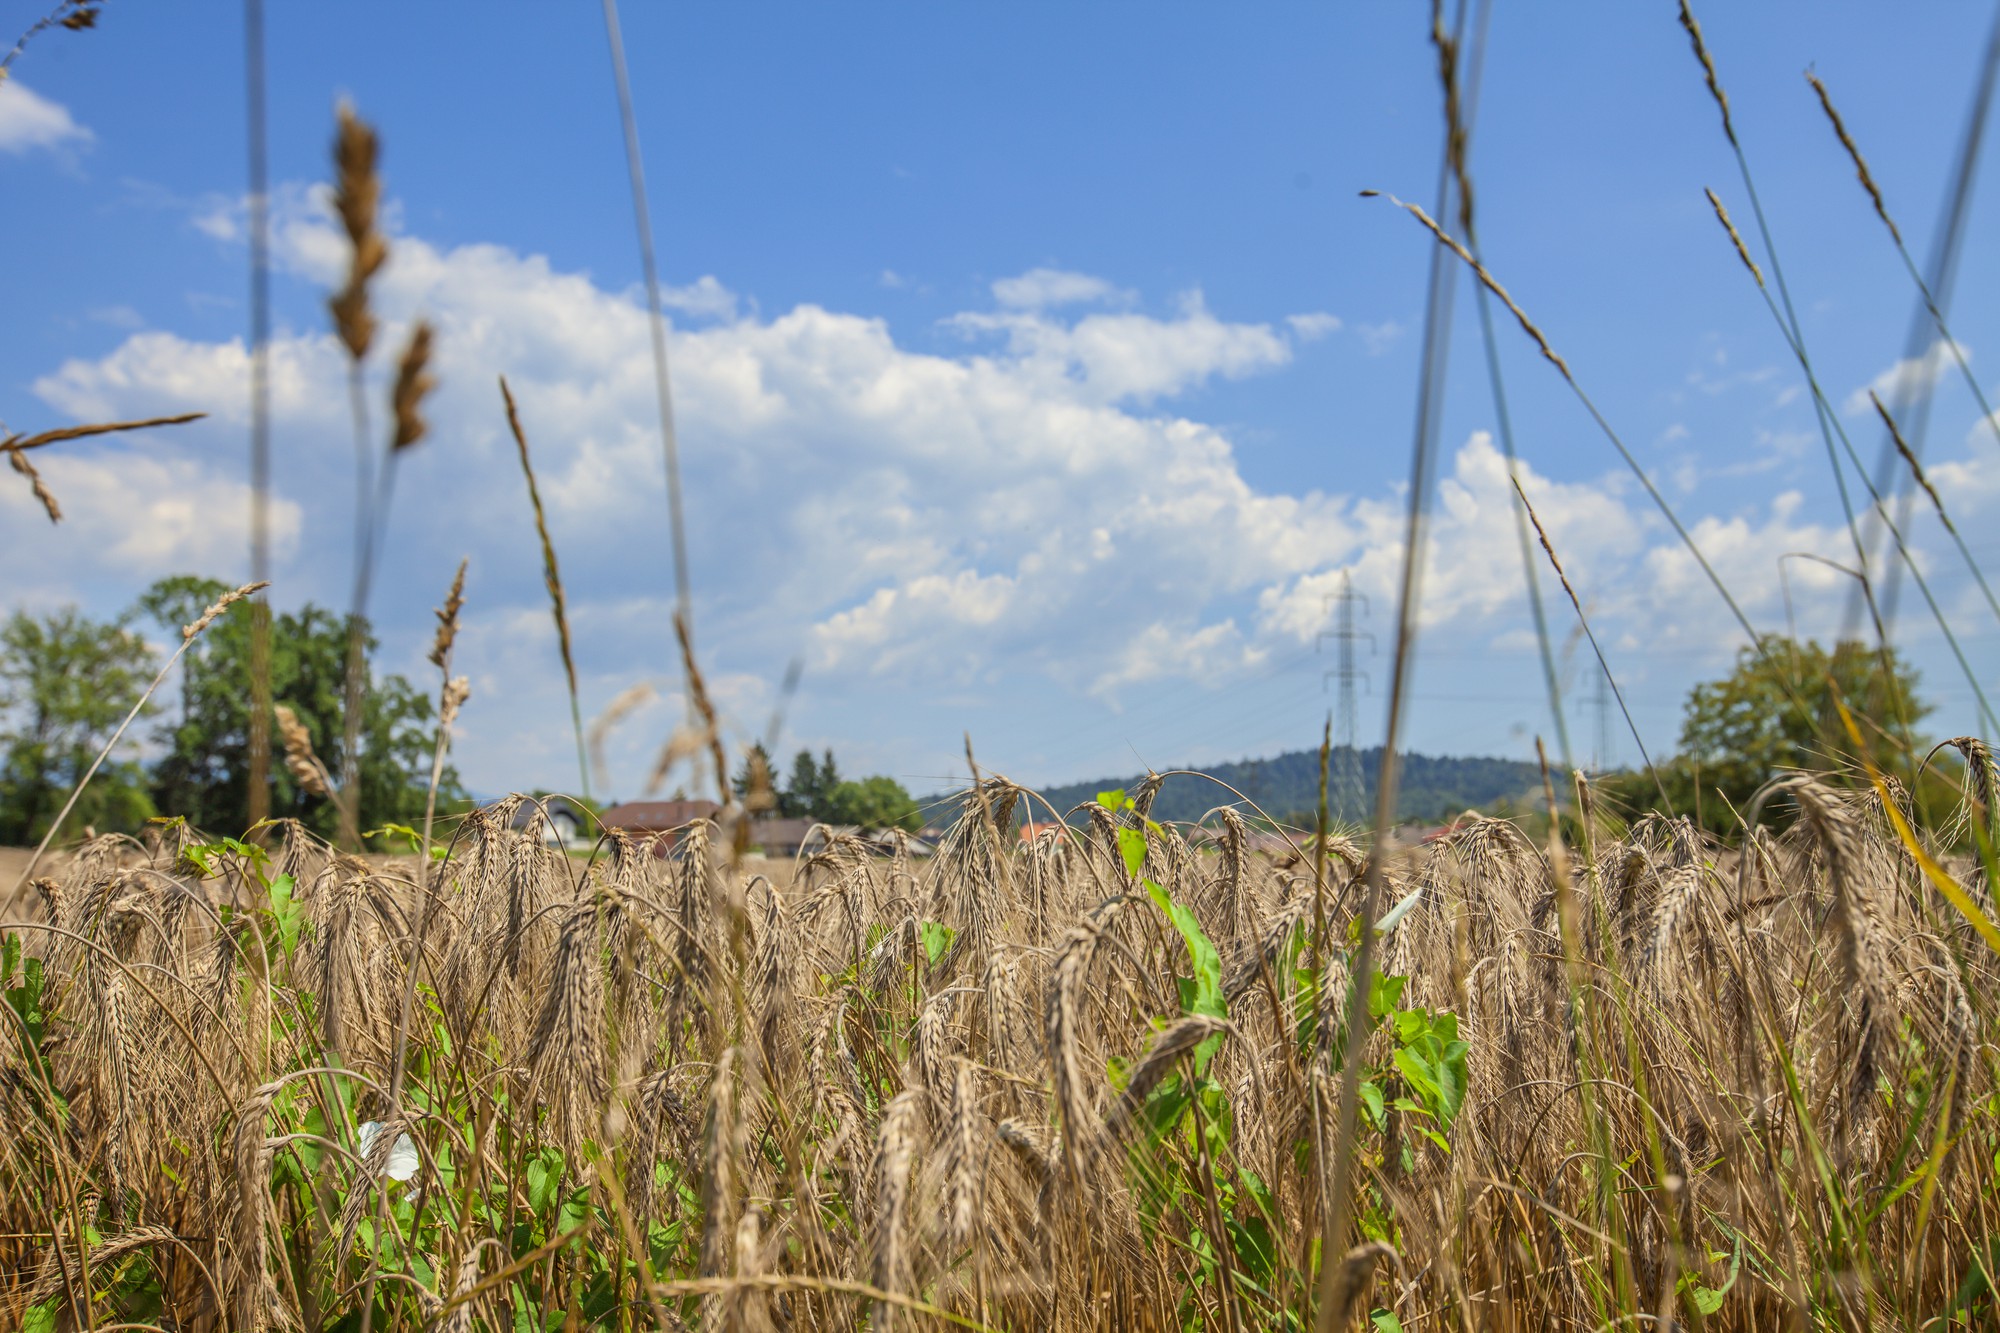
(1039,366)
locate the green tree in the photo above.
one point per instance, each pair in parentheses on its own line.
(1776,710)
(873,803)
(66,682)
(205,773)
(809,793)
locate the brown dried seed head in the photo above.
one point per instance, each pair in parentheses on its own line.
(1693,27)
(1854,153)
(1910,458)
(894,1148)
(456,691)
(551,573)
(357,192)
(300,760)
(1486,279)
(447,617)
(1742,251)
(413,385)
(222,604)
(42,492)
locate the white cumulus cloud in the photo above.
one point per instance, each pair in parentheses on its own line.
(1038,506)
(29,121)
(1910,380)
(1042,288)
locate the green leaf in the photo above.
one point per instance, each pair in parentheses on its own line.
(1386,995)
(41,1319)
(1114,800)
(1371,1100)
(393,830)
(1452,1077)
(10,956)
(544,1174)
(1132,848)
(1385,1321)
(937,939)
(1256,1251)
(1204,994)
(26,1000)
(1417,1073)
(287,912)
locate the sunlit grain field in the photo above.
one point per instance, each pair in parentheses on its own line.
(1603,1064)
(1089,1082)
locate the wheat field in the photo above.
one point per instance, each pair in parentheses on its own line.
(1639,1081)
(1596,1071)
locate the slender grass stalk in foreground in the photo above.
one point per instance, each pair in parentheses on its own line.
(1832,429)
(1934,292)
(16,448)
(254,121)
(1987,415)
(1333,1296)
(75,15)
(1788,321)
(1581,619)
(552,577)
(1459,109)
(635,166)
(1937,502)
(357,194)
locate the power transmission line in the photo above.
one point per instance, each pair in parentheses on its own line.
(1348,795)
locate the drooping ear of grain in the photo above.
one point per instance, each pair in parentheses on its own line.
(889,1221)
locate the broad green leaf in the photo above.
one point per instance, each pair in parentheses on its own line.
(937,939)
(1204,995)
(1207,963)
(1132,848)
(285,909)
(1115,799)
(1386,995)
(1256,1251)
(1371,1100)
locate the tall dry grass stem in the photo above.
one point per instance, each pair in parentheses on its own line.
(552,578)
(255,121)
(16,448)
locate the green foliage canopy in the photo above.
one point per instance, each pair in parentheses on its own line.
(204,774)
(66,682)
(1777,710)
(873,803)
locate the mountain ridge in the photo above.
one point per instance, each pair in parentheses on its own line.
(1286,786)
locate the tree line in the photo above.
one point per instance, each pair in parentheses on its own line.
(67,681)
(816,791)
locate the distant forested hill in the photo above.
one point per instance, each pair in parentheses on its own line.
(1433,787)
